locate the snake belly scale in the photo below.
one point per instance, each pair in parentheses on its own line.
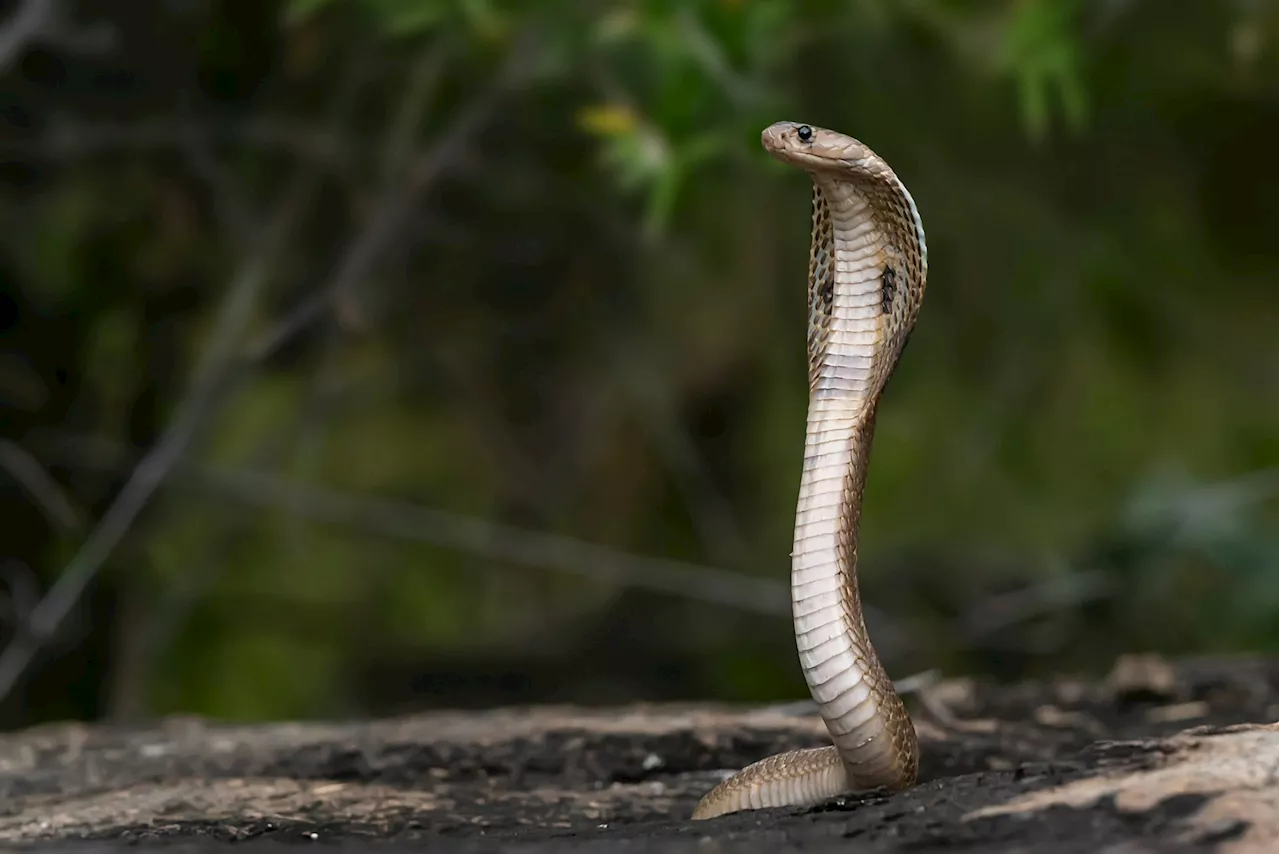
(867,268)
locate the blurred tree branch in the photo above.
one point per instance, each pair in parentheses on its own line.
(401,520)
(233,320)
(400,197)
(321,146)
(225,357)
(217,365)
(47,493)
(42,21)
(26,24)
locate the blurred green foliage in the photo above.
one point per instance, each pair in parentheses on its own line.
(591,323)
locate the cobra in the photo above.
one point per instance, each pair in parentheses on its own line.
(867,268)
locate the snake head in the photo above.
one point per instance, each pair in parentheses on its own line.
(816,149)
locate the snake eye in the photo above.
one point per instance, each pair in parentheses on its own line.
(805,133)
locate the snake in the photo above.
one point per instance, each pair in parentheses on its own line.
(867,266)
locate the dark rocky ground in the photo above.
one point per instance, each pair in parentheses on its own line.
(1157,758)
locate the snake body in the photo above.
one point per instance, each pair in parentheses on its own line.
(867,266)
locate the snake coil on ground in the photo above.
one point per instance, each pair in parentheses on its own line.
(867,267)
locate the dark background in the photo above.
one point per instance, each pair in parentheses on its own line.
(361,356)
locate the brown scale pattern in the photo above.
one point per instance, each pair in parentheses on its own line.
(822,284)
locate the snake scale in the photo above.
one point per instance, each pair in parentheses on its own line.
(867,266)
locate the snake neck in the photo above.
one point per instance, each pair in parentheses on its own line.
(835,472)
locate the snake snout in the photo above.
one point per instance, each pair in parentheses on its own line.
(780,136)
(771,137)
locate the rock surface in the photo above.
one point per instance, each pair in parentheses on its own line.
(1158,757)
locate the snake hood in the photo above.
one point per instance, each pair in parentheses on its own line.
(829,155)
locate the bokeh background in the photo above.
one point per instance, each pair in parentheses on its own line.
(362,356)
